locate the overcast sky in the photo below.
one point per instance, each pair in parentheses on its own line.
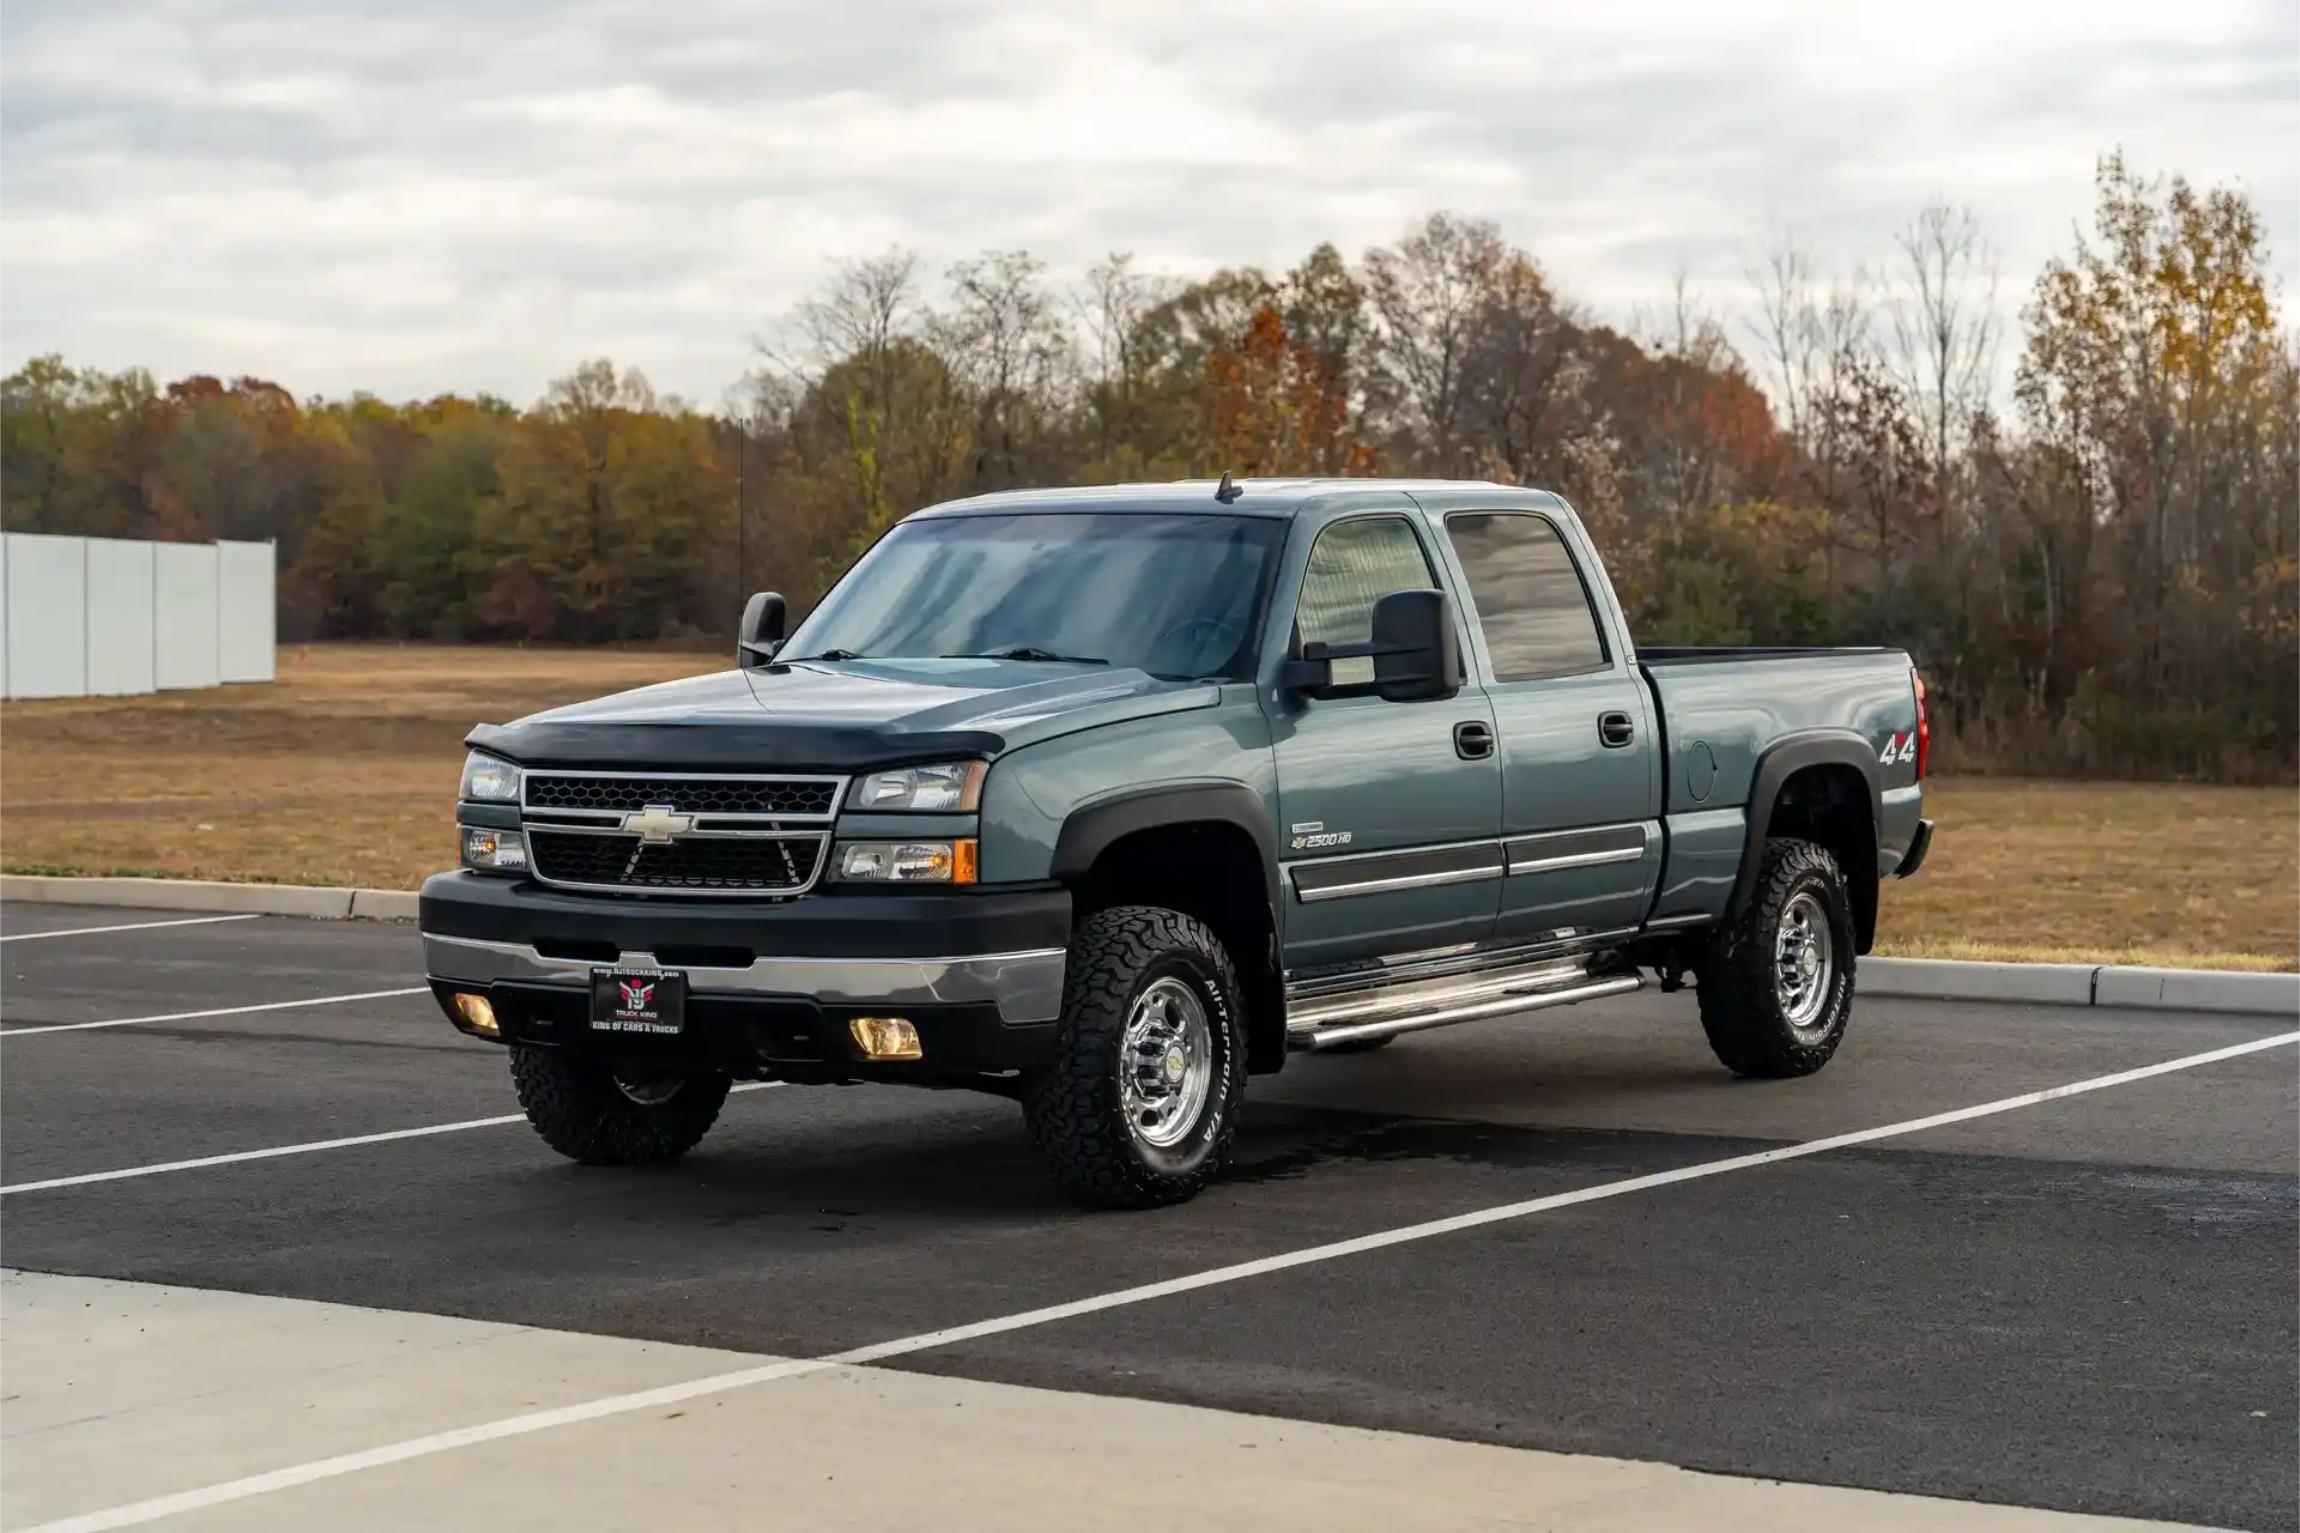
(433,195)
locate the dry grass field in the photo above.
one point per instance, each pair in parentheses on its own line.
(342,773)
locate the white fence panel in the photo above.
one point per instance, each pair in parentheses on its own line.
(120,620)
(184,639)
(249,610)
(47,615)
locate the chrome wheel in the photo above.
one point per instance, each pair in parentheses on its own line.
(650,1090)
(1803,961)
(1165,1064)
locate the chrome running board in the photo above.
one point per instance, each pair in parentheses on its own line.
(1383,1011)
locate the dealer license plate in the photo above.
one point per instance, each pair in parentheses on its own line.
(638,1001)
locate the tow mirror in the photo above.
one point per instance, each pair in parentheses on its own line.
(1417,654)
(762,631)
(1415,650)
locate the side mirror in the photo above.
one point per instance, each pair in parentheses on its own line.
(762,631)
(1417,653)
(1415,649)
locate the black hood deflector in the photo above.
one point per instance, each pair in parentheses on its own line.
(720,746)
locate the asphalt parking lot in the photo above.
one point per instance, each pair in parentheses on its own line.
(2084,1304)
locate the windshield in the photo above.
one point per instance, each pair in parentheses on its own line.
(1177,596)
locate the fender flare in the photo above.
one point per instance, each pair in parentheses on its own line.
(1781,760)
(1093,827)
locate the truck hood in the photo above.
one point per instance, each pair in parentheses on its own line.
(837,717)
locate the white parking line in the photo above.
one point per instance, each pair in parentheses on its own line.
(313,1147)
(229,1491)
(220,1011)
(131,926)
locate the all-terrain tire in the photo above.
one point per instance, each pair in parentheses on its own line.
(587,1115)
(1074,1106)
(1751,1029)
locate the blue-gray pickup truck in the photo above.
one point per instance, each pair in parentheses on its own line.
(1106,799)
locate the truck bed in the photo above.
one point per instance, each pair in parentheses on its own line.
(1722,709)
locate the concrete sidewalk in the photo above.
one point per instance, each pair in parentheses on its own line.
(121,1392)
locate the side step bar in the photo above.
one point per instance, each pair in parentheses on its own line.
(1312,1030)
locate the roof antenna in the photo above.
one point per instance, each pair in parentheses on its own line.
(1228,490)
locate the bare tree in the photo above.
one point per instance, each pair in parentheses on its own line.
(1110,306)
(867,304)
(1782,278)
(1003,339)
(1944,318)
(1806,328)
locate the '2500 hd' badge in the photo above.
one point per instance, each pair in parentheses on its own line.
(1312,836)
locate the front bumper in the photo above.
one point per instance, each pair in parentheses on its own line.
(771,986)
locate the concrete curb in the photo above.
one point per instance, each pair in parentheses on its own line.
(2082,984)
(195,894)
(1930,979)
(2198,990)
(1943,979)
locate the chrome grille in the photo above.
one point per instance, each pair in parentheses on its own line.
(759,836)
(693,865)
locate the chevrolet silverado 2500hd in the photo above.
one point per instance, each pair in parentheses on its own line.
(1105,799)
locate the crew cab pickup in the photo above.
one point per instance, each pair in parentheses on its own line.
(1106,799)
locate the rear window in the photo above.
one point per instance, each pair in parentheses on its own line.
(1531,601)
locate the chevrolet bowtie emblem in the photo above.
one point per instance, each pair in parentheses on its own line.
(658,824)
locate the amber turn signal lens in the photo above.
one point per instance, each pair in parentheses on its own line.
(965,861)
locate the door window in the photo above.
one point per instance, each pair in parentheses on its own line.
(1531,602)
(1354,565)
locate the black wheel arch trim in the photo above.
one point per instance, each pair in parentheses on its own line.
(1092,828)
(1781,761)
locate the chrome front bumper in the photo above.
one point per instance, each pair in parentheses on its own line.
(1026,987)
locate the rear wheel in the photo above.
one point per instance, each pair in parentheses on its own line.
(1142,1099)
(601,1116)
(1776,984)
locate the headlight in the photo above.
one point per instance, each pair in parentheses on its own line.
(908,862)
(489,780)
(949,785)
(494,851)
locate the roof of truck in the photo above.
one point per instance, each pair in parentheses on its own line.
(1256,497)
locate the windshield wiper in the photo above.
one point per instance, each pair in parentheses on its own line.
(1030,652)
(828,654)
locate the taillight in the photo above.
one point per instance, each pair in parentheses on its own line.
(1924,726)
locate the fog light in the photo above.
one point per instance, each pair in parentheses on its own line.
(475,1010)
(886,1037)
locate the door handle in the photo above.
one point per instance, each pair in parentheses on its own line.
(1473,740)
(1615,730)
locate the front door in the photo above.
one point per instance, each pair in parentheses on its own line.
(1580,788)
(1388,811)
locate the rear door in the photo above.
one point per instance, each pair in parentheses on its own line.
(1579,746)
(1388,811)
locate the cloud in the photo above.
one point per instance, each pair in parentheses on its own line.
(437,195)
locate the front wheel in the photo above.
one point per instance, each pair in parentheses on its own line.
(1139,1106)
(1776,984)
(592,1113)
